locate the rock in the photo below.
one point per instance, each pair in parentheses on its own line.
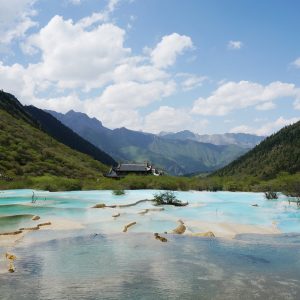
(100,205)
(35,218)
(180,229)
(11,268)
(161,238)
(116,215)
(128,225)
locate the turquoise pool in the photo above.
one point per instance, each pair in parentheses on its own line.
(218,207)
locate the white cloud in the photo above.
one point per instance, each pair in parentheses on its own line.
(267,128)
(266,106)
(73,57)
(15,19)
(167,50)
(237,95)
(135,95)
(131,71)
(235,45)
(296,63)
(191,81)
(171,119)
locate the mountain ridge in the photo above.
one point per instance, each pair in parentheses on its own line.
(177,157)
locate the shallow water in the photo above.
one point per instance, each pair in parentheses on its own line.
(136,266)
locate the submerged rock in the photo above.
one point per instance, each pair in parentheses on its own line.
(44,224)
(30,228)
(11,258)
(161,238)
(128,225)
(11,268)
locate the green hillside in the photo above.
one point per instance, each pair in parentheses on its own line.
(25,150)
(278,153)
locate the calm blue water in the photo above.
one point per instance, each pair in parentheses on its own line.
(99,262)
(136,266)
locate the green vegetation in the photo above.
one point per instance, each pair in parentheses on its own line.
(278,153)
(118,192)
(26,151)
(167,198)
(271,195)
(284,182)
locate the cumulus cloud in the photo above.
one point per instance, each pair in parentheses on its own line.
(15,19)
(167,50)
(74,57)
(191,81)
(237,95)
(267,128)
(234,45)
(134,95)
(171,119)
(266,106)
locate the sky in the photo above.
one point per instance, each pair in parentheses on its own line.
(157,65)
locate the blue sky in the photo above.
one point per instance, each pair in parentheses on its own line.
(157,65)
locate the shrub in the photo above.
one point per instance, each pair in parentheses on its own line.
(271,195)
(167,198)
(118,192)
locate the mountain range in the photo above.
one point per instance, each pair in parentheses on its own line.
(240,139)
(177,153)
(33,143)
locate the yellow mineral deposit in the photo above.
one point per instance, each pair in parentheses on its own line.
(11,258)
(128,225)
(180,229)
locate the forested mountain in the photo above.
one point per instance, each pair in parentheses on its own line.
(278,153)
(177,157)
(65,135)
(25,150)
(239,139)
